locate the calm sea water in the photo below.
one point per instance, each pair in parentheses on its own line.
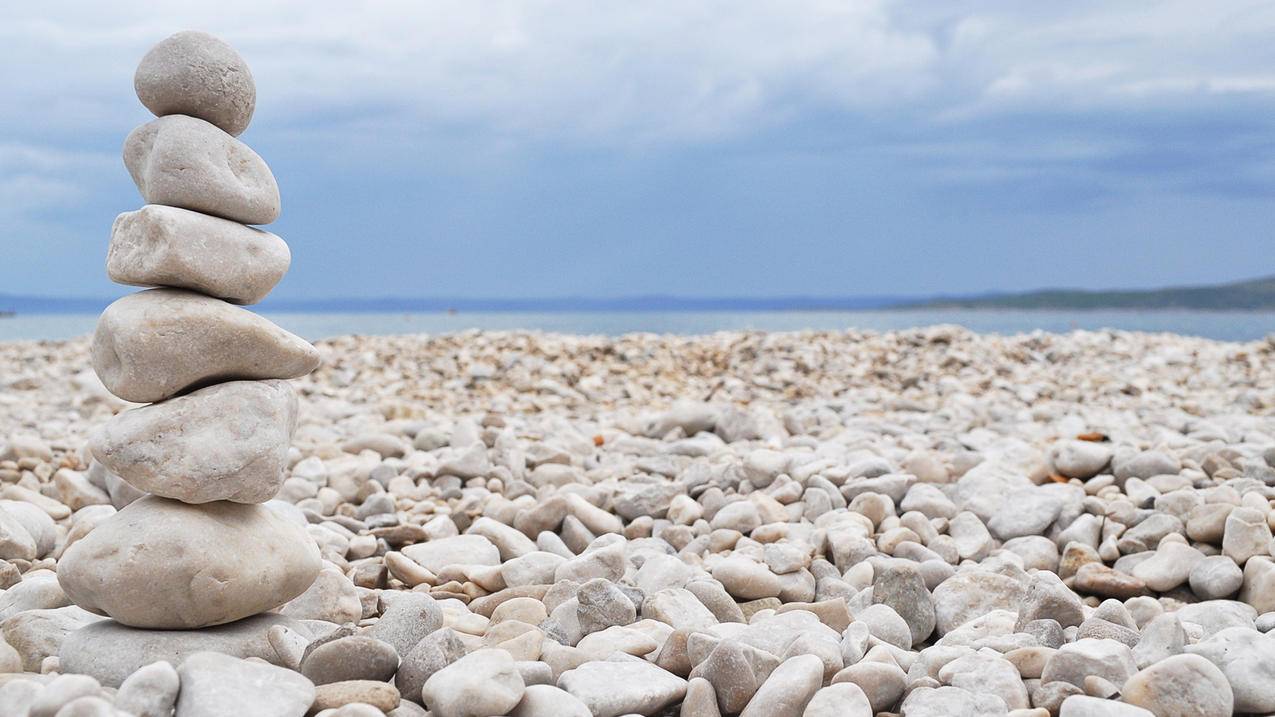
(1227,326)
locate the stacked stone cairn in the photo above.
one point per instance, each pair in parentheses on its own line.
(200,546)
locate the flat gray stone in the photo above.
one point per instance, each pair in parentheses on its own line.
(216,685)
(159,563)
(167,246)
(225,442)
(154,344)
(110,652)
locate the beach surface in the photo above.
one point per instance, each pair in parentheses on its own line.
(929,521)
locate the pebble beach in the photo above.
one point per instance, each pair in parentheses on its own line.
(927,522)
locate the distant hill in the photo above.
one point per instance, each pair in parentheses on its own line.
(1254,294)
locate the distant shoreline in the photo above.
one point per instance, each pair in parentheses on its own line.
(1257,295)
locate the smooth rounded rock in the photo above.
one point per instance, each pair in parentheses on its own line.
(159,563)
(483,683)
(149,692)
(185,162)
(224,442)
(356,657)
(216,685)
(1181,686)
(167,246)
(194,73)
(611,689)
(154,344)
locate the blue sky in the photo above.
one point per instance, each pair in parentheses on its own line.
(501,149)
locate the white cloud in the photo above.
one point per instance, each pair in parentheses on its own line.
(624,73)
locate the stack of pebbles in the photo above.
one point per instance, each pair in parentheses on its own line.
(201,547)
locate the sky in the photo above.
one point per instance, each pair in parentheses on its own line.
(713,148)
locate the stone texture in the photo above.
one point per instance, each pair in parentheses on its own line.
(193,73)
(224,442)
(184,162)
(611,689)
(1181,686)
(481,684)
(110,652)
(154,344)
(215,685)
(163,564)
(167,246)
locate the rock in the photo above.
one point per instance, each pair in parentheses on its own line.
(680,608)
(225,442)
(356,657)
(184,162)
(149,692)
(1247,658)
(883,683)
(436,555)
(549,701)
(1168,567)
(110,652)
(152,247)
(154,344)
(40,633)
(38,590)
(213,685)
(968,595)
(380,695)
(1147,464)
(898,584)
(1080,459)
(746,579)
(61,691)
(983,673)
(601,605)
(1025,512)
(15,542)
(38,523)
(788,689)
(1075,661)
(1217,576)
(1098,579)
(1247,534)
(1181,686)
(611,689)
(163,564)
(407,621)
(483,683)
(331,597)
(1085,706)
(193,73)
(951,702)
(434,652)
(1258,584)
(844,699)
(1161,638)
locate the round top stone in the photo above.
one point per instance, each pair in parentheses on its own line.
(193,73)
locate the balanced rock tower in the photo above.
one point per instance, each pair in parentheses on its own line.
(201,548)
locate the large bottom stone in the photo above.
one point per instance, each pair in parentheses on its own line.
(160,563)
(110,652)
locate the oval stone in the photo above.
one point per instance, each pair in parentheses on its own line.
(193,73)
(166,246)
(225,442)
(159,563)
(186,162)
(158,343)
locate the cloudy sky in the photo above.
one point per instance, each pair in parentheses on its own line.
(712,148)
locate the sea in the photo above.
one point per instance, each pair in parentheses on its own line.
(1219,325)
